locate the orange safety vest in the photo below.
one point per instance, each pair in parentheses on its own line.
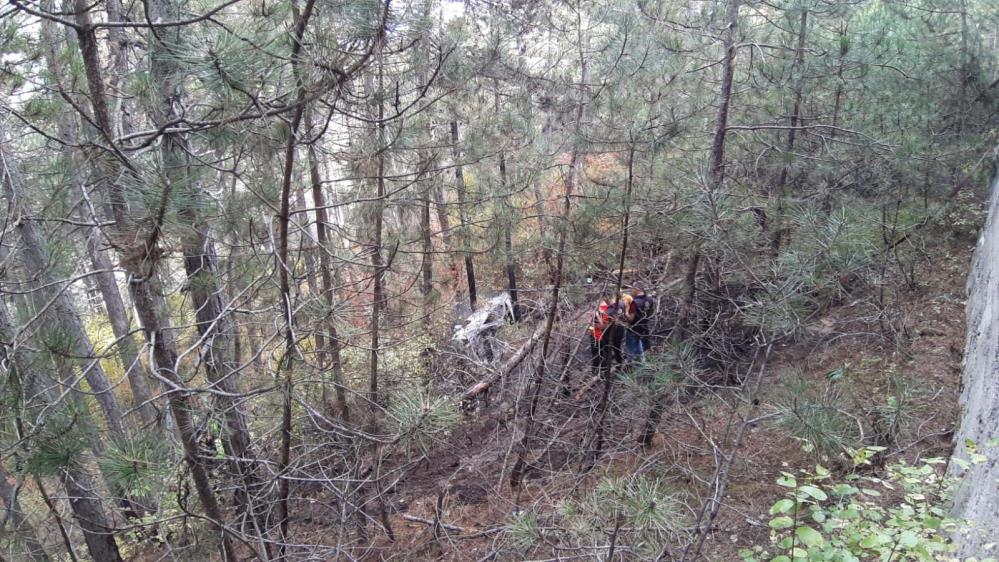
(602,319)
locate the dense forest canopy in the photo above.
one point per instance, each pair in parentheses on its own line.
(238,237)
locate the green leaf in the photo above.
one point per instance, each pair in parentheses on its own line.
(814,492)
(782,506)
(874,540)
(908,539)
(787,480)
(809,536)
(780,558)
(782,522)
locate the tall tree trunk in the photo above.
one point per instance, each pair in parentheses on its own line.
(519,466)
(466,239)
(332,337)
(117,314)
(212,319)
(511,263)
(85,505)
(284,270)
(427,258)
(103,276)
(140,251)
(511,266)
(965,72)
(798,69)
(377,296)
(85,502)
(608,376)
(445,224)
(37,262)
(716,166)
(844,47)
(716,171)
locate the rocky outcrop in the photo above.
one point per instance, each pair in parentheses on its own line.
(977,496)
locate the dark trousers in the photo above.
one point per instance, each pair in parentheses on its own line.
(607,350)
(641,329)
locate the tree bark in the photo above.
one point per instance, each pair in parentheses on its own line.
(18,520)
(37,262)
(844,47)
(377,265)
(799,70)
(445,224)
(427,259)
(511,264)
(140,260)
(717,165)
(332,338)
(117,313)
(86,506)
(460,187)
(284,267)
(716,170)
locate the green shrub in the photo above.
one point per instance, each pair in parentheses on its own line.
(901,516)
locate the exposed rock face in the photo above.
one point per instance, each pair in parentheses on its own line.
(977,498)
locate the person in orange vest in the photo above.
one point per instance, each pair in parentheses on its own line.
(606,336)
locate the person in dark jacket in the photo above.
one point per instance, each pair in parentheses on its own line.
(643,307)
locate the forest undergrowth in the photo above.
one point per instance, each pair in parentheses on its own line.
(865,380)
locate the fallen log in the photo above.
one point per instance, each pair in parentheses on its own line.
(465,533)
(432,523)
(507,367)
